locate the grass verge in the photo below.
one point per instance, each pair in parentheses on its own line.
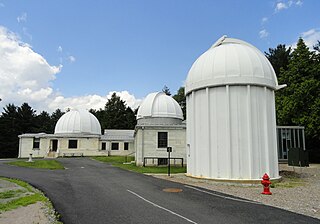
(34,196)
(290,179)
(41,164)
(119,160)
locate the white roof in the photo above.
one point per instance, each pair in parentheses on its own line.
(120,135)
(231,62)
(76,122)
(158,104)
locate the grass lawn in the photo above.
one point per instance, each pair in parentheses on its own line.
(119,160)
(42,164)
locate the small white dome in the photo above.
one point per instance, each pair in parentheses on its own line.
(76,122)
(231,62)
(159,105)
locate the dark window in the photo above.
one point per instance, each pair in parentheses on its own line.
(103,146)
(162,161)
(36,143)
(114,146)
(73,144)
(126,146)
(162,139)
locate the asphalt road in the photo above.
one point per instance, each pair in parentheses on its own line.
(89,191)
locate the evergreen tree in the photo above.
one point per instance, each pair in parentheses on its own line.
(44,123)
(299,102)
(55,116)
(279,57)
(9,131)
(26,119)
(181,99)
(117,114)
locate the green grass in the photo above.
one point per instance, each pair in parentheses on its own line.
(10,194)
(42,164)
(22,201)
(119,160)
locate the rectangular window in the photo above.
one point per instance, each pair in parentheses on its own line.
(162,139)
(36,143)
(126,146)
(73,144)
(103,146)
(115,146)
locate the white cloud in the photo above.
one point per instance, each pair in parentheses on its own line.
(263,33)
(280,6)
(311,37)
(26,76)
(59,49)
(22,17)
(91,101)
(71,59)
(26,33)
(264,20)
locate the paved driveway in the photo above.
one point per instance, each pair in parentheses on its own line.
(89,191)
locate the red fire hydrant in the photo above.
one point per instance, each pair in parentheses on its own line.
(266,184)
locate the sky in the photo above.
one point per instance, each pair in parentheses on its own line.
(75,54)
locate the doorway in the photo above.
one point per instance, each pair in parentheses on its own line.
(54,144)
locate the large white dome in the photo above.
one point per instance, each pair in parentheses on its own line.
(231,62)
(159,105)
(78,122)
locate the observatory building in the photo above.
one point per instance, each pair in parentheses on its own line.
(231,122)
(159,125)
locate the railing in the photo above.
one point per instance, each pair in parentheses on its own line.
(145,160)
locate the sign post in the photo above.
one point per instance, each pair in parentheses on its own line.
(169,149)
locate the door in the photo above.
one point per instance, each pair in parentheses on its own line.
(54,145)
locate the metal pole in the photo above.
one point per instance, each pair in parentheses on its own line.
(169,162)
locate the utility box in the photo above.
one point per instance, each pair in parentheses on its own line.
(298,157)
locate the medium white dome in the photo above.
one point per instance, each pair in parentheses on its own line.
(231,62)
(159,105)
(76,122)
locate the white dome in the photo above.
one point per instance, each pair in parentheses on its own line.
(159,105)
(231,62)
(76,122)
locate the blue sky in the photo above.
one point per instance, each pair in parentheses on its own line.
(70,54)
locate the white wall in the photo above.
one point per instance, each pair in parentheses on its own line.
(231,133)
(146,144)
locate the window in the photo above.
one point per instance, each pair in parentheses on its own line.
(103,147)
(73,144)
(162,139)
(36,143)
(162,161)
(126,146)
(115,146)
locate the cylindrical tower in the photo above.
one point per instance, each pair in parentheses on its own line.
(231,122)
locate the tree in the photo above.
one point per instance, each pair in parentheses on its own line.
(279,57)
(26,119)
(117,115)
(299,102)
(181,99)
(55,116)
(166,90)
(9,132)
(44,123)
